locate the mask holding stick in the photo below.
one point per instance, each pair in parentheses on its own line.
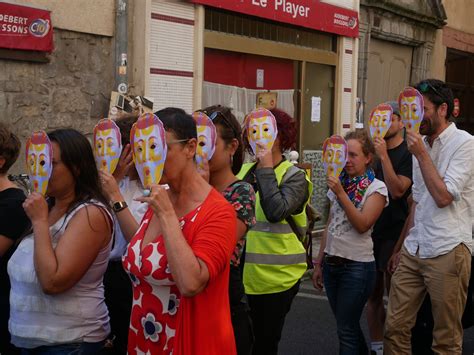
(261,129)
(147,139)
(39,156)
(380,120)
(206,137)
(107,145)
(411,105)
(335,154)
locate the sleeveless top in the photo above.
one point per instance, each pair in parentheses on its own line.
(76,315)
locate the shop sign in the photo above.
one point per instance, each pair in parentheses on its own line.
(25,28)
(312,14)
(457,108)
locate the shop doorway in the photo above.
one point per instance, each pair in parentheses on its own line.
(460,78)
(388,72)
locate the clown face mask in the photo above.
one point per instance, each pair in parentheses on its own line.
(411,108)
(261,128)
(380,120)
(206,136)
(334,155)
(107,145)
(39,155)
(148,142)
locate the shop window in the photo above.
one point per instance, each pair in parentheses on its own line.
(249,26)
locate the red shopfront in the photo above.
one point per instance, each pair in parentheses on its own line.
(288,47)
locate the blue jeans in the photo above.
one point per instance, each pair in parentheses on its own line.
(66,349)
(348,287)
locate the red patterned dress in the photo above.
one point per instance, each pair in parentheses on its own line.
(155,295)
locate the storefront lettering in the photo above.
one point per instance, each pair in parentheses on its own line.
(285,6)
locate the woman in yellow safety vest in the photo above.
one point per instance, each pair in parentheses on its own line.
(275,259)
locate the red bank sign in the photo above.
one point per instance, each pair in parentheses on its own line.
(25,28)
(306,13)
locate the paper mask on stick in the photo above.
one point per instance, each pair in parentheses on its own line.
(107,145)
(411,108)
(39,156)
(147,138)
(380,120)
(261,128)
(206,137)
(334,155)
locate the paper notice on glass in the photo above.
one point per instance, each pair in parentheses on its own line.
(315,109)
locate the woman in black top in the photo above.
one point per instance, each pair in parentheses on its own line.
(13,222)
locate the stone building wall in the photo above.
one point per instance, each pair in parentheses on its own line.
(407,22)
(72,90)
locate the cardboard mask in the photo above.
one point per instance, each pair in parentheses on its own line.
(107,145)
(335,154)
(261,127)
(147,139)
(39,156)
(380,120)
(206,138)
(411,108)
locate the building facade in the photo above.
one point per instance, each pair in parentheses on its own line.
(454,59)
(198,53)
(397,46)
(70,87)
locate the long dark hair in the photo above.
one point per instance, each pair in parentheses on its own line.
(76,154)
(229,130)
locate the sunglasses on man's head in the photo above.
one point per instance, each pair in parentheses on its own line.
(425,86)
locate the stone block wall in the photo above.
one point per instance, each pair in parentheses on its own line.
(72,90)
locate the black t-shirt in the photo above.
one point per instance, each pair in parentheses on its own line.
(390,223)
(13,224)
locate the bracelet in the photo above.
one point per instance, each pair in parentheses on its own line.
(315,262)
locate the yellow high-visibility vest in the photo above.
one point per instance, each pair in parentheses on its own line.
(274,259)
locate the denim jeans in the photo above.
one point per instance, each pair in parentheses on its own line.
(348,287)
(66,349)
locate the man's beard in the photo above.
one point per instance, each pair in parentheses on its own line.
(426,128)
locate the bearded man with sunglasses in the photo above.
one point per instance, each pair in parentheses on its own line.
(436,255)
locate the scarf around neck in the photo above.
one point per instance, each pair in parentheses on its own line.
(356,187)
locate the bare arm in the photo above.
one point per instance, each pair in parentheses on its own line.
(190,272)
(409,222)
(361,220)
(61,268)
(128,223)
(397,185)
(433,181)
(443,190)
(317,276)
(5,244)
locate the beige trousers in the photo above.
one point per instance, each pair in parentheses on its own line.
(445,278)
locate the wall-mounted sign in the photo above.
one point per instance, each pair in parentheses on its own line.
(312,14)
(267,99)
(457,108)
(25,28)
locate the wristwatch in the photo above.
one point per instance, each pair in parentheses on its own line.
(118,206)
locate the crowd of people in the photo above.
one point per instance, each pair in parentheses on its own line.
(208,262)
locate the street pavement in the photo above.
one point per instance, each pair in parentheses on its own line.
(310,327)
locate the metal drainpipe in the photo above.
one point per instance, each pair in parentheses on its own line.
(121,44)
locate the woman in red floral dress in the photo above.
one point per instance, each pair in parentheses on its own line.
(179,258)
